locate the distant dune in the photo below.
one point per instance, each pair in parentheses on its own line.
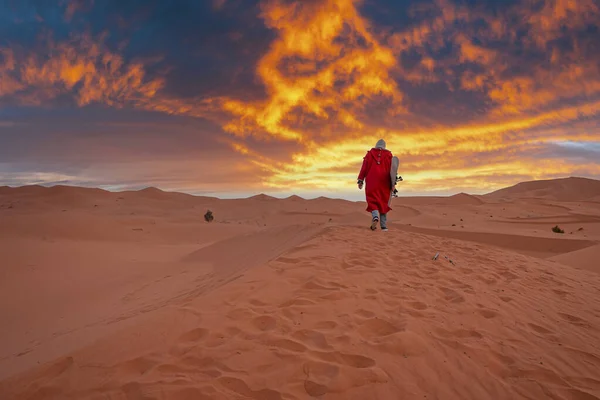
(133,295)
(263,197)
(457,199)
(464,199)
(566,189)
(294,198)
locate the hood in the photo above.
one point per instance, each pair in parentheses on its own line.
(378,154)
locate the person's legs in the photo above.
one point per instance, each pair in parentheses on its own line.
(375,215)
(383,222)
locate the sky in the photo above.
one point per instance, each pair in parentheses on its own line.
(236,97)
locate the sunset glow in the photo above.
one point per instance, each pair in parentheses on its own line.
(237,97)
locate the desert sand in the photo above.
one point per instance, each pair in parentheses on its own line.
(132,295)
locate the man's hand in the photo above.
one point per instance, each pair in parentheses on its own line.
(360,184)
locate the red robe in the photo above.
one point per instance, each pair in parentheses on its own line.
(375,172)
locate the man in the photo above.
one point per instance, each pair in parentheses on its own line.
(375,169)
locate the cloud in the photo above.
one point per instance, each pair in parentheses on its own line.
(81,68)
(520,105)
(324,64)
(473,94)
(493,150)
(582,152)
(74,6)
(218,4)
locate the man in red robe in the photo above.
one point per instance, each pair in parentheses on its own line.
(375,169)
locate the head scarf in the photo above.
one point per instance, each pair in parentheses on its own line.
(380,144)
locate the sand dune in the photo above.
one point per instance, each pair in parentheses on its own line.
(530,245)
(132,295)
(567,189)
(586,258)
(464,199)
(238,253)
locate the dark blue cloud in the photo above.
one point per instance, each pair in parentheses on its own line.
(575,152)
(200,49)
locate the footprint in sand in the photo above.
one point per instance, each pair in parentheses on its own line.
(133,390)
(59,367)
(405,344)
(351,266)
(194,335)
(509,276)
(318,377)
(540,329)
(413,284)
(286,344)
(486,280)
(506,299)
(297,302)
(138,365)
(312,338)
(240,313)
(561,293)
(415,313)
(452,295)
(377,327)
(241,388)
(459,333)
(257,303)
(326,325)
(417,305)
(573,319)
(287,260)
(207,365)
(264,323)
(337,285)
(192,393)
(312,285)
(336,296)
(350,360)
(487,313)
(502,358)
(365,313)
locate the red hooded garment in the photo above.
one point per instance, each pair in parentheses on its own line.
(375,172)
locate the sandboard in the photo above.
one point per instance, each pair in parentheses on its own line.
(394,178)
(394,171)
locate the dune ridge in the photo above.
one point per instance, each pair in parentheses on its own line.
(564,189)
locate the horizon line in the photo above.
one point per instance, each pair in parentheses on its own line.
(283,194)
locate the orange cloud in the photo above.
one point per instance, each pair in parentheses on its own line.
(442,153)
(520,115)
(82,67)
(549,22)
(325,63)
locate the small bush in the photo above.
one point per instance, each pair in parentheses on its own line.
(557,229)
(208,217)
